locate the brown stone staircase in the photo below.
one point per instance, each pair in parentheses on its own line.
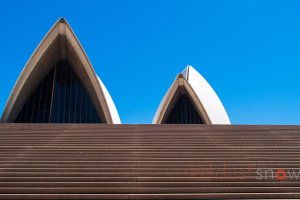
(149,162)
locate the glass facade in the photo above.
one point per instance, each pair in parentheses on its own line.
(59,98)
(183,112)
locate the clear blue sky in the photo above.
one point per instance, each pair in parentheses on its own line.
(249,51)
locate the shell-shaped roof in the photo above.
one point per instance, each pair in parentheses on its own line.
(60,43)
(204,97)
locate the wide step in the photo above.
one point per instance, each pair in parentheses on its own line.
(69,161)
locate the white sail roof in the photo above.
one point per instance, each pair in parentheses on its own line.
(60,43)
(204,97)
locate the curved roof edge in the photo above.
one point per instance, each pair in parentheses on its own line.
(110,103)
(205,98)
(101,97)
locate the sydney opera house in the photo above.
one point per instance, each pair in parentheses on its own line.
(59,85)
(61,138)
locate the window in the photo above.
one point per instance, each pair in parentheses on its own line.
(183,112)
(59,98)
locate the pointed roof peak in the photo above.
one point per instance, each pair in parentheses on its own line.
(61,25)
(186,71)
(62,20)
(189,66)
(180,75)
